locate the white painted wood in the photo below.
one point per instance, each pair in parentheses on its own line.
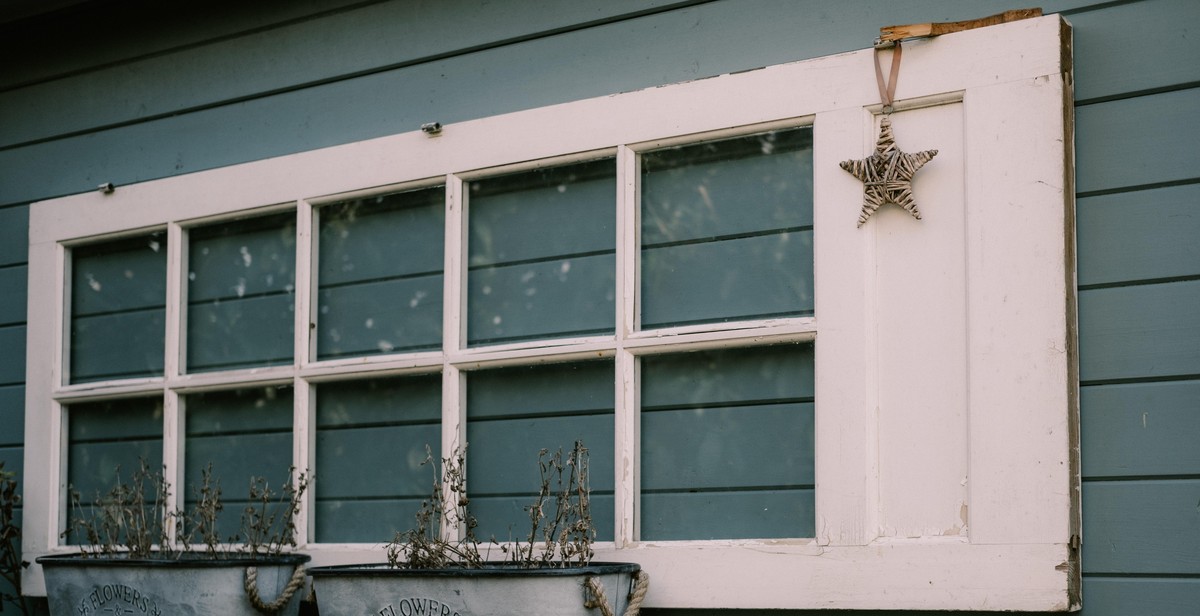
(846,481)
(920,354)
(1019,353)
(942,346)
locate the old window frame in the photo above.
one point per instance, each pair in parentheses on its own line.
(1017,546)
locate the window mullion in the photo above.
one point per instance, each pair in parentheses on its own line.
(454,425)
(304,442)
(174,349)
(626,394)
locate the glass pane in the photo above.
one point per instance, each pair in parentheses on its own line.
(241,279)
(542,254)
(380,274)
(727,230)
(118,303)
(512,413)
(371,442)
(243,433)
(727,444)
(106,442)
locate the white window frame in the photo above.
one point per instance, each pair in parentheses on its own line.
(1013,543)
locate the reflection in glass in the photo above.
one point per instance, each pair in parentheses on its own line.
(243,433)
(371,447)
(106,443)
(512,413)
(727,230)
(541,253)
(118,303)
(380,274)
(727,444)
(241,284)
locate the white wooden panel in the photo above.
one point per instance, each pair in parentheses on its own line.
(920,312)
(1020,355)
(846,462)
(894,575)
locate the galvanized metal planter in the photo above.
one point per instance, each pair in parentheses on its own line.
(191,585)
(499,590)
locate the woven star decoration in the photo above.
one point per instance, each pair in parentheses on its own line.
(887,174)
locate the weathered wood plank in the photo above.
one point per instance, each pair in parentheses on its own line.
(1150,526)
(1137,141)
(1139,235)
(1139,331)
(1116,46)
(1134,430)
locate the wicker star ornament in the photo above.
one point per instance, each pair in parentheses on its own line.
(887,174)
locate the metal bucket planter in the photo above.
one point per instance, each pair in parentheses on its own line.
(600,589)
(191,585)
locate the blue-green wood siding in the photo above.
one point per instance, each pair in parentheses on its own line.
(159,92)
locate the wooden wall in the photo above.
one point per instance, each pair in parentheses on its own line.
(129,90)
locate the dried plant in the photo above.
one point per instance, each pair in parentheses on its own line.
(11,564)
(561,531)
(122,520)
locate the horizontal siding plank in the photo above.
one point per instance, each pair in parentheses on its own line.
(401,400)
(569,295)
(718,448)
(13,458)
(1143,527)
(13,294)
(380,317)
(650,50)
(241,332)
(279,58)
(503,455)
(373,521)
(1113,50)
(505,518)
(541,390)
(14,232)
(1139,235)
(1138,141)
(134,29)
(117,345)
(1140,429)
(1139,331)
(728,515)
(395,452)
(12,355)
(1113,596)
(12,415)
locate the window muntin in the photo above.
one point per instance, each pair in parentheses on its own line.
(118,301)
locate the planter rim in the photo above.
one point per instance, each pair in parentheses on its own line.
(497,569)
(188,560)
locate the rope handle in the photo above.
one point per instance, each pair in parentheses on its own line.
(251,584)
(596,599)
